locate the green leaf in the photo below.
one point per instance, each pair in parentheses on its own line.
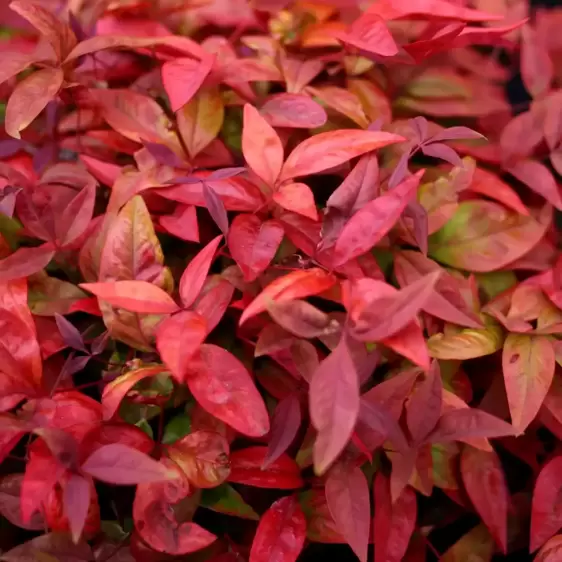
(496,282)
(178,427)
(225,499)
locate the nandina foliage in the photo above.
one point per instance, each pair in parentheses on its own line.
(280,273)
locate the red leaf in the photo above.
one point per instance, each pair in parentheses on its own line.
(358,188)
(194,275)
(183,77)
(328,150)
(54,546)
(76,501)
(424,407)
(546,514)
(221,385)
(280,534)
(394,522)
(30,97)
(302,319)
(120,464)
(10,504)
(393,310)
(371,223)
(293,111)
(295,285)
(182,223)
(214,300)
(77,215)
(485,484)
(178,338)
(25,261)
(537,69)
(253,243)
(246,468)
(117,389)
(261,146)
(528,363)
(298,198)
(347,494)
(135,296)
(285,425)
(334,405)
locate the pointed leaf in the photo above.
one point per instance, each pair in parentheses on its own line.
(261,146)
(194,275)
(223,387)
(298,198)
(334,405)
(178,338)
(347,495)
(537,69)
(302,319)
(371,223)
(30,97)
(136,296)
(296,111)
(281,533)
(76,501)
(253,243)
(485,484)
(328,150)
(25,261)
(546,514)
(528,369)
(216,207)
(120,464)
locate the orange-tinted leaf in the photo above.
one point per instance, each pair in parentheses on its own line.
(551,551)
(298,198)
(30,97)
(116,390)
(476,543)
(295,285)
(371,223)
(221,385)
(200,120)
(485,484)
(328,150)
(253,243)
(136,296)
(334,405)
(246,467)
(281,533)
(483,236)
(347,495)
(203,457)
(528,368)
(261,146)
(178,338)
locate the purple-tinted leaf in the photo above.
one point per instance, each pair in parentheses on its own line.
(456,133)
(443,152)
(73,364)
(70,335)
(400,172)
(285,424)
(76,501)
(420,227)
(225,173)
(419,125)
(215,206)
(99,344)
(163,154)
(10,147)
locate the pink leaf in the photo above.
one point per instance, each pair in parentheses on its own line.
(285,424)
(295,111)
(370,224)
(178,338)
(485,484)
(183,77)
(216,207)
(194,275)
(25,261)
(537,69)
(120,464)
(76,501)
(369,33)
(347,494)
(253,243)
(334,405)
(135,296)
(261,146)
(298,198)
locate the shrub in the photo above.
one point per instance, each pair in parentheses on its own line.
(280,273)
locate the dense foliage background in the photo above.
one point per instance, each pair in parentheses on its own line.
(280,280)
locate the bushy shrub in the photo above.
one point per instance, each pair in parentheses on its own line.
(276,273)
